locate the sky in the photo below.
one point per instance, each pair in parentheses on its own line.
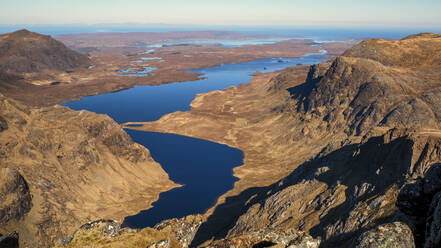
(335,13)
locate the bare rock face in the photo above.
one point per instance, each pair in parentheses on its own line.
(269,237)
(173,233)
(388,235)
(183,229)
(160,244)
(79,166)
(107,228)
(15,197)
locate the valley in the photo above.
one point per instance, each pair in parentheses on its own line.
(241,141)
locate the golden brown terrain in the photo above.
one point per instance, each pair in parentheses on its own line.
(62,168)
(345,153)
(56,86)
(357,138)
(74,167)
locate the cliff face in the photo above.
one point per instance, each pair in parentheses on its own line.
(61,168)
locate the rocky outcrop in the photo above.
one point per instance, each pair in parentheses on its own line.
(183,229)
(160,244)
(388,235)
(60,169)
(419,199)
(169,233)
(433,223)
(15,197)
(268,237)
(108,228)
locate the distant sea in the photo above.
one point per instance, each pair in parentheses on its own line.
(319,34)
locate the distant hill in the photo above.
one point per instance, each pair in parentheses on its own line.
(23,51)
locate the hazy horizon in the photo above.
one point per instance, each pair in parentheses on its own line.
(314,32)
(281,13)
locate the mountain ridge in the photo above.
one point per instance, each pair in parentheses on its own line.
(354,132)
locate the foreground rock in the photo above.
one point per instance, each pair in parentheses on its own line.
(268,237)
(169,233)
(390,235)
(60,168)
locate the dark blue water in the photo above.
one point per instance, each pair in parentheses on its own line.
(149,103)
(203,167)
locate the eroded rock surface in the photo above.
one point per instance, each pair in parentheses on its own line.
(173,233)
(388,235)
(269,237)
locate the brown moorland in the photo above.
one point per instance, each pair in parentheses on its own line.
(49,87)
